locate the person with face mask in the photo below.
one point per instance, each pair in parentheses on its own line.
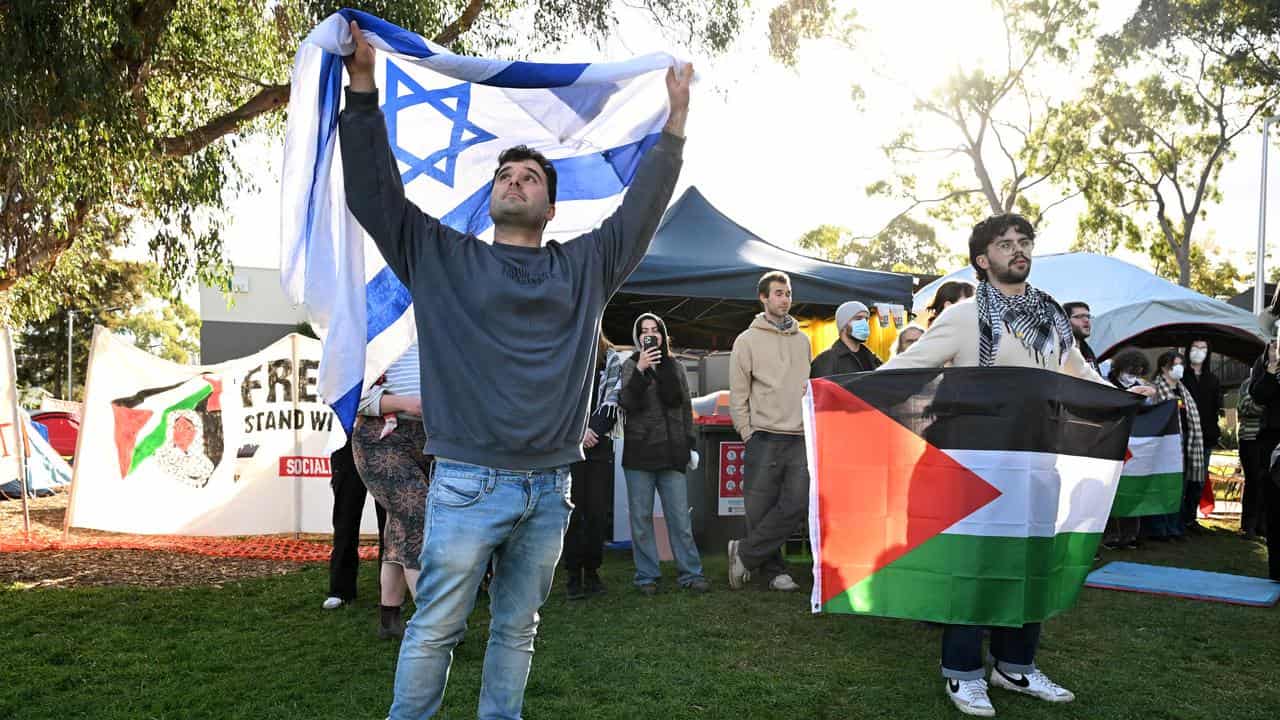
(849,353)
(1128,370)
(1167,381)
(1205,387)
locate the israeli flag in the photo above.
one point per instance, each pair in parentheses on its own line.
(448,117)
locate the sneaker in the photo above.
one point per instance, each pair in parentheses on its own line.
(1034,683)
(333,603)
(783,583)
(648,589)
(575,591)
(699,585)
(592,583)
(970,697)
(738,574)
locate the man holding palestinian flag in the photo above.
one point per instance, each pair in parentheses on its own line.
(982,483)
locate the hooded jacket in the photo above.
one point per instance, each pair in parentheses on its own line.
(659,414)
(1207,390)
(768,377)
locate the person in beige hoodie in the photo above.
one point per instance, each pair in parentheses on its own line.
(768,377)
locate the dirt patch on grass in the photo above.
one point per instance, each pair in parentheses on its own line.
(133,568)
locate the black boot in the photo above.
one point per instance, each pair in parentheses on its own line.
(575,586)
(592,582)
(390,624)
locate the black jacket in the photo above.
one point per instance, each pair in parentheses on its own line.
(1207,392)
(839,359)
(1089,356)
(1265,391)
(657,436)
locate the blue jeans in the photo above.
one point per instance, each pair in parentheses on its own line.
(473,514)
(1014,650)
(672,488)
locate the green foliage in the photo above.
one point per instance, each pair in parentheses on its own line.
(905,246)
(121,117)
(124,297)
(1148,147)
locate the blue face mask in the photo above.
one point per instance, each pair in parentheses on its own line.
(860,330)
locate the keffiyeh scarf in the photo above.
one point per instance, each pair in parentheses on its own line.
(1034,318)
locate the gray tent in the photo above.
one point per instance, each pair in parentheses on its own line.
(701,271)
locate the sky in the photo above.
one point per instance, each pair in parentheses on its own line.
(784,150)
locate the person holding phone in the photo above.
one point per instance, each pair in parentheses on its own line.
(657,448)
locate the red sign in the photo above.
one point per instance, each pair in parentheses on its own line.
(299,466)
(732,466)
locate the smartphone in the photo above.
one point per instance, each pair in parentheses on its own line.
(648,342)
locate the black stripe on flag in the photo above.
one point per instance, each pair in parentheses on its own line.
(1001,408)
(1157,420)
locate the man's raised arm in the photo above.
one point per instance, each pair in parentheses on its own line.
(371,177)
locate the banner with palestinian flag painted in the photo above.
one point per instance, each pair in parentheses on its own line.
(1151,482)
(960,495)
(237,448)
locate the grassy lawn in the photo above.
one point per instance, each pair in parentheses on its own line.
(264,649)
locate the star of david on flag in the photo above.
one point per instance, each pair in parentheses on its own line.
(448,118)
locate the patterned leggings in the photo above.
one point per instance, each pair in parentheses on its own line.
(396,472)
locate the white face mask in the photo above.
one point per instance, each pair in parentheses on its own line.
(1198,355)
(1176,372)
(1127,380)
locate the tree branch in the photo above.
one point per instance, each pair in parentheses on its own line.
(916,202)
(275,97)
(459,27)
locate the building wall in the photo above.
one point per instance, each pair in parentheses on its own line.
(259,314)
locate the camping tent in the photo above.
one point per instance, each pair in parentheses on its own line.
(701,271)
(1131,306)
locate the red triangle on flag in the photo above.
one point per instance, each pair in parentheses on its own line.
(883,489)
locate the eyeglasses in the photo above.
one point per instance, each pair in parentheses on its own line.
(1007,246)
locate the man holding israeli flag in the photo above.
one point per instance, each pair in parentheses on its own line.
(507,333)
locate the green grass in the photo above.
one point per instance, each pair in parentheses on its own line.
(264,649)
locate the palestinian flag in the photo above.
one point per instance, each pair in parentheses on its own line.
(142,419)
(1151,482)
(960,495)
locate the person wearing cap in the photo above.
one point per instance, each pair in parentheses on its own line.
(848,354)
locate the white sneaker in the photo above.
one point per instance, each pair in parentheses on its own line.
(738,574)
(332,603)
(784,583)
(1034,683)
(970,697)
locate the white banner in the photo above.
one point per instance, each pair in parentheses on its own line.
(10,438)
(238,448)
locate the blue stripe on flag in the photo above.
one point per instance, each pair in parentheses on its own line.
(385,299)
(400,40)
(537,75)
(330,88)
(345,407)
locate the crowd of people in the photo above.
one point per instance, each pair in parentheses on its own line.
(511,331)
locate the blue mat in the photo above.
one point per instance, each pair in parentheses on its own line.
(1179,582)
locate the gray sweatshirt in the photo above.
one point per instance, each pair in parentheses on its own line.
(507,334)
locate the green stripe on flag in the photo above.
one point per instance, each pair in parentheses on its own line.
(155,438)
(976,580)
(1139,495)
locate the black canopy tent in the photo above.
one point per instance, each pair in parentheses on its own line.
(701,271)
